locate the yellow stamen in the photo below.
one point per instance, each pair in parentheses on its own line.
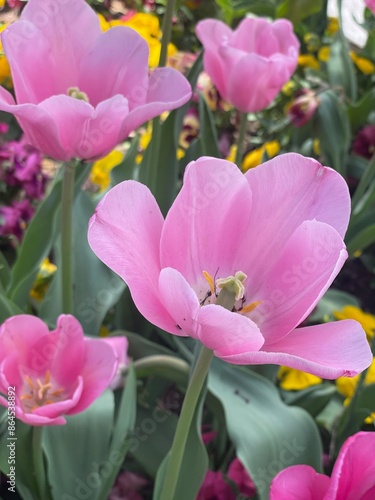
(57,393)
(43,389)
(48,377)
(250,307)
(210,281)
(26,396)
(30,382)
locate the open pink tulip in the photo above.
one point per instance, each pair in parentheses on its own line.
(251,64)
(274,234)
(80,91)
(353,475)
(53,373)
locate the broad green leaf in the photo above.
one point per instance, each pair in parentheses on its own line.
(361,240)
(96,287)
(297,10)
(194,463)
(128,168)
(208,134)
(313,399)
(124,426)
(268,435)
(140,347)
(333,300)
(331,126)
(37,241)
(8,308)
(78,453)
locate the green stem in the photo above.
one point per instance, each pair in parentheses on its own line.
(167,31)
(66,238)
(240,141)
(187,412)
(38,461)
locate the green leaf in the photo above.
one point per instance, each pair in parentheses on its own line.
(124,425)
(313,399)
(96,287)
(268,435)
(194,463)
(331,126)
(361,240)
(77,453)
(208,133)
(8,308)
(341,72)
(140,347)
(128,168)
(359,111)
(333,300)
(4,272)
(37,241)
(296,10)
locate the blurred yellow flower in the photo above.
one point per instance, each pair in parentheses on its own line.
(312,41)
(43,279)
(288,88)
(324,53)
(2,3)
(5,74)
(308,61)
(104,331)
(144,140)
(147,25)
(316,147)
(332,26)
(254,158)
(346,385)
(364,65)
(296,380)
(367,320)
(101,170)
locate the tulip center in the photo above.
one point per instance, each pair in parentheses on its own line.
(77,94)
(231,295)
(38,393)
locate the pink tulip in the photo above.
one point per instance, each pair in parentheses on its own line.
(276,233)
(52,373)
(120,346)
(371,5)
(353,475)
(251,64)
(81,91)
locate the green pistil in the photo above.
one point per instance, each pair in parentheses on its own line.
(233,285)
(77,94)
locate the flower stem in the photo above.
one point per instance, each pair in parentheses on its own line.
(66,237)
(167,31)
(38,461)
(187,412)
(240,141)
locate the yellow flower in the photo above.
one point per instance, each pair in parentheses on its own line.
(100,171)
(43,279)
(324,53)
(104,331)
(364,65)
(365,319)
(370,419)
(296,380)
(147,25)
(332,26)
(308,61)
(288,88)
(312,41)
(5,74)
(346,386)
(2,3)
(316,147)
(254,158)
(232,153)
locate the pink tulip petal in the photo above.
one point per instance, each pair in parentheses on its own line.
(353,475)
(330,350)
(227,333)
(299,482)
(33,419)
(129,213)
(255,35)
(10,372)
(292,189)
(212,33)
(180,301)
(86,132)
(99,367)
(306,268)
(166,89)
(18,335)
(206,223)
(52,351)
(125,69)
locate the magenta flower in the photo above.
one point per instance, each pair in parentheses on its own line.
(371,5)
(353,475)
(215,487)
(276,233)
(251,64)
(239,475)
(303,107)
(80,91)
(120,346)
(53,373)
